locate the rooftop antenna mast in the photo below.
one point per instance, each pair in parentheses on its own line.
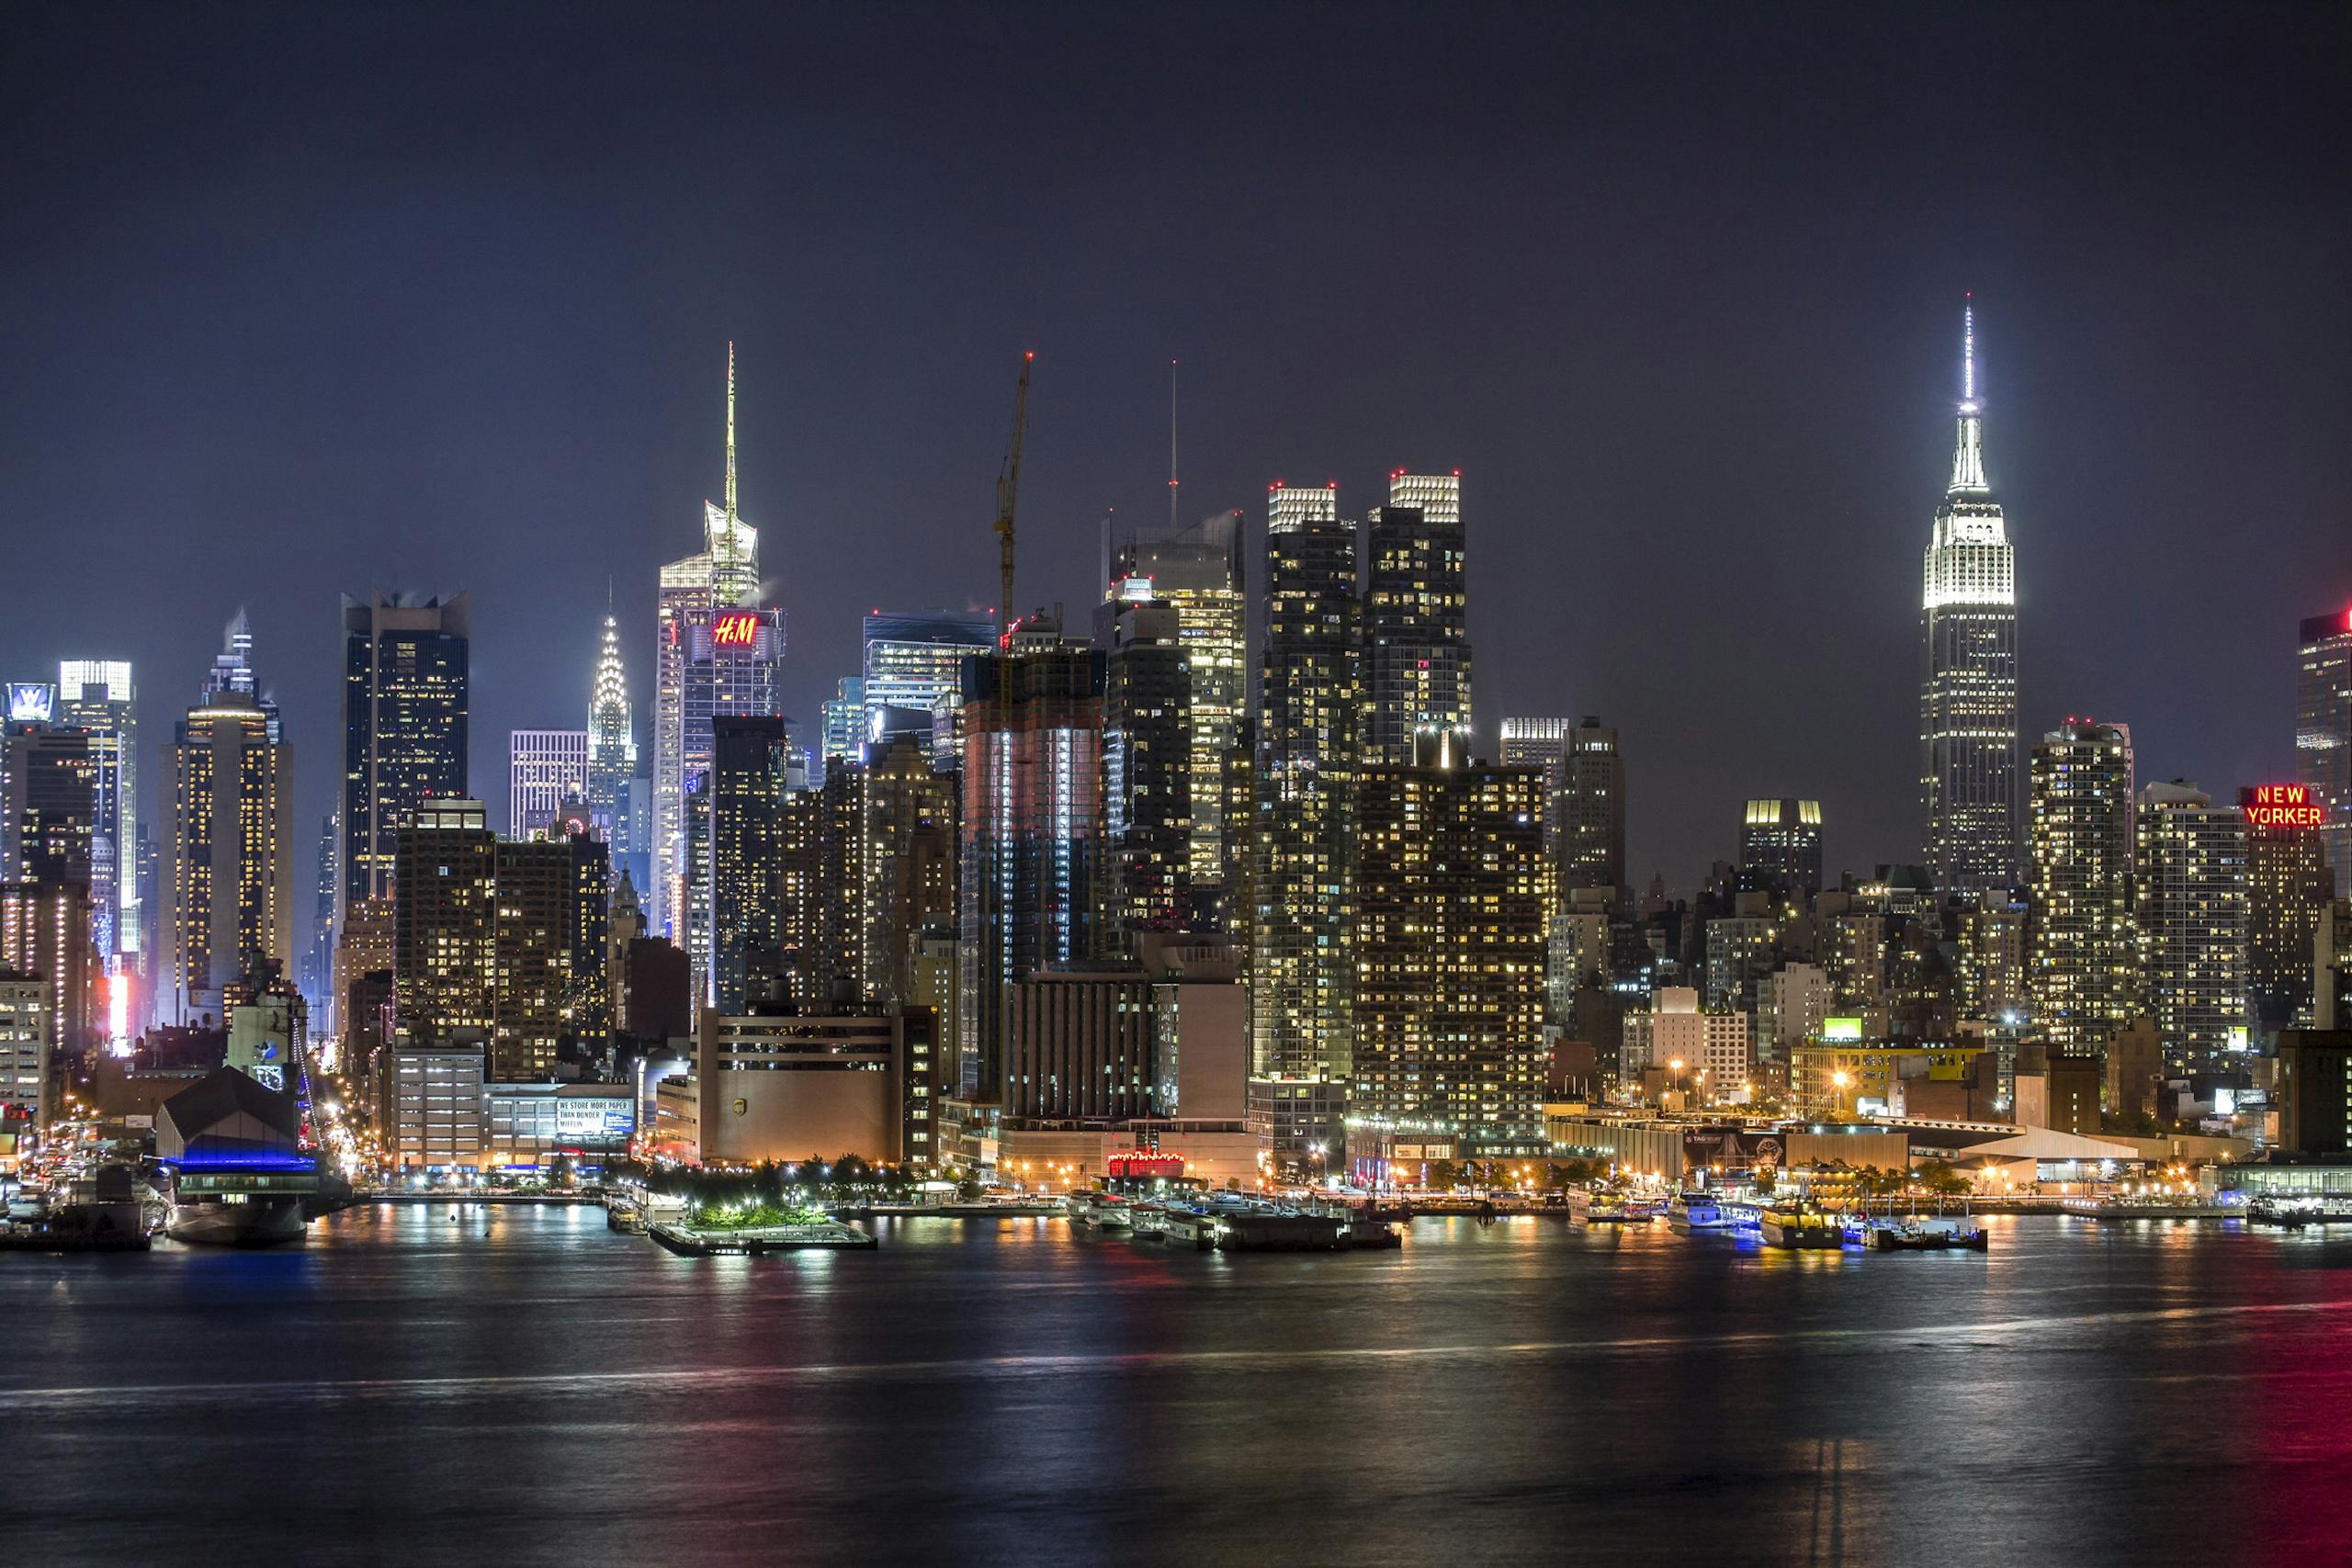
(1171,446)
(1008,489)
(730,431)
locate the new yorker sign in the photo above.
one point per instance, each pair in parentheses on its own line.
(2280,805)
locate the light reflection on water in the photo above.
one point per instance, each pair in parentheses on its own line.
(523,1384)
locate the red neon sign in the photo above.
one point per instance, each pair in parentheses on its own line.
(2281,805)
(740,629)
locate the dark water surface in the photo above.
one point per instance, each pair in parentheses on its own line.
(525,1386)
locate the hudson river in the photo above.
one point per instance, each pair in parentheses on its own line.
(523,1386)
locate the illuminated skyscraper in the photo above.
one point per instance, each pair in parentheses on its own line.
(2287,888)
(95,696)
(718,652)
(545,768)
(445,944)
(1416,626)
(1968,695)
(228,872)
(612,762)
(1779,846)
(2190,900)
(2086,949)
(405,709)
(1302,962)
(1198,570)
(916,662)
(1535,743)
(1453,899)
(2324,732)
(1032,860)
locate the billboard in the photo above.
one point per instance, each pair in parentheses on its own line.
(31,702)
(603,1118)
(1734,1148)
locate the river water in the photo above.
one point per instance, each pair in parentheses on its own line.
(521,1385)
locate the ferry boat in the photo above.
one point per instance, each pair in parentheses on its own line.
(2153,1206)
(1100,1211)
(1599,1206)
(1801,1228)
(1690,1212)
(1907,1235)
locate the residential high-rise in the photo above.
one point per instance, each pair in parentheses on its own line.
(97,697)
(2324,731)
(613,805)
(718,652)
(1416,617)
(445,942)
(405,706)
(45,932)
(1453,900)
(1146,764)
(2287,888)
(745,862)
(1779,848)
(1310,697)
(1032,851)
(24,1049)
(49,832)
(532,998)
(2085,947)
(1967,693)
(545,768)
(916,662)
(2190,864)
(907,856)
(1198,570)
(1588,810)
(228,852)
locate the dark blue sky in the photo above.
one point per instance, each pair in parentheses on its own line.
(304,300)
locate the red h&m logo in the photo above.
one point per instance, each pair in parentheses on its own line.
(739,630)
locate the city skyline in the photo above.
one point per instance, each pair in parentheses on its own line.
(1597,500)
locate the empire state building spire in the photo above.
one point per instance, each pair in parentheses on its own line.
(1968,452)
(1968,695)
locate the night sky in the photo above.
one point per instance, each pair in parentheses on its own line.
(302,300)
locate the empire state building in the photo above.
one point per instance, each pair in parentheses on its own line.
(1968,689)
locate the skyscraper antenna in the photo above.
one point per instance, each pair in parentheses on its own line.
(1171,446)
(1968,352)
(730,430)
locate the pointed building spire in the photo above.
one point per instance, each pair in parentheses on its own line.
(730,430)
(1968,450)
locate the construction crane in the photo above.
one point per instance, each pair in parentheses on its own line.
(1008,487)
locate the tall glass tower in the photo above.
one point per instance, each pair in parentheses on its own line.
(1968,690)
(1416,607)
(1302,954)
(718,652)
(2324,732)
